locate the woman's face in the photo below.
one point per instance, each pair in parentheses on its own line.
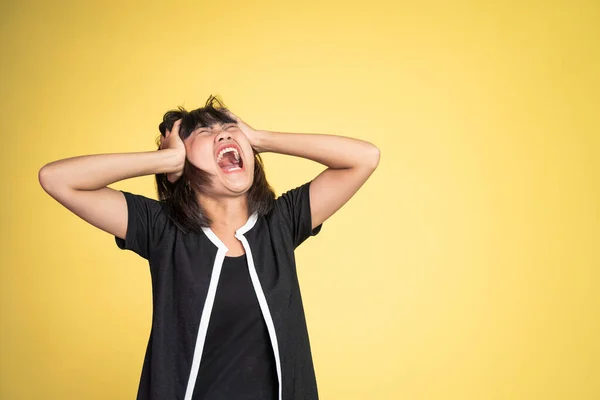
(224,152)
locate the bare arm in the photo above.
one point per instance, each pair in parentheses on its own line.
(80,183)
(350,163)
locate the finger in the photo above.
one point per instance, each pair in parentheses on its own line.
(232,115)
(176,126)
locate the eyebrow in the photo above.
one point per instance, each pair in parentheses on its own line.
(204,128)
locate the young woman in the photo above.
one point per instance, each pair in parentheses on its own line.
(228,321)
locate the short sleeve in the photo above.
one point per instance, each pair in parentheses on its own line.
(294,208)
(144,217)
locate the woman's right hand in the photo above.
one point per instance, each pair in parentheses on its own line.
(172,141)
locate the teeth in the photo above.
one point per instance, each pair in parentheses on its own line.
(226,150)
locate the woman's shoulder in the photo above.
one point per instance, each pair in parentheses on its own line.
(291,214)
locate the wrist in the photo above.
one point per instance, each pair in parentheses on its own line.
(261,141)
(174,160)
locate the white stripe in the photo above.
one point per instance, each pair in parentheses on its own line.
(262,301)
(206,311)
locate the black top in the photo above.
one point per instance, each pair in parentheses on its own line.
(185,270)
(237,361)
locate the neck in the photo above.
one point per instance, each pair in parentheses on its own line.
(227,214)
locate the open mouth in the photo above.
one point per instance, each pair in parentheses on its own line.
(229,160)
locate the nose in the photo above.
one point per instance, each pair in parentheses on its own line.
(221,136)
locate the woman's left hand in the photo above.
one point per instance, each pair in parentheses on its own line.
(252,134)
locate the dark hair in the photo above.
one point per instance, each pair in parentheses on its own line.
(183,206)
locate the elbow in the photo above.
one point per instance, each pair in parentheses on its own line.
(47,179)
(373,156)
(377,155)
(43,177)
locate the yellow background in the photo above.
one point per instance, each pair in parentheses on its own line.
(466,268)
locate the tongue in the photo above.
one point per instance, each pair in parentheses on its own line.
(228,161)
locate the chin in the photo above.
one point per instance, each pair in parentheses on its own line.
(238,190)
(236,185)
